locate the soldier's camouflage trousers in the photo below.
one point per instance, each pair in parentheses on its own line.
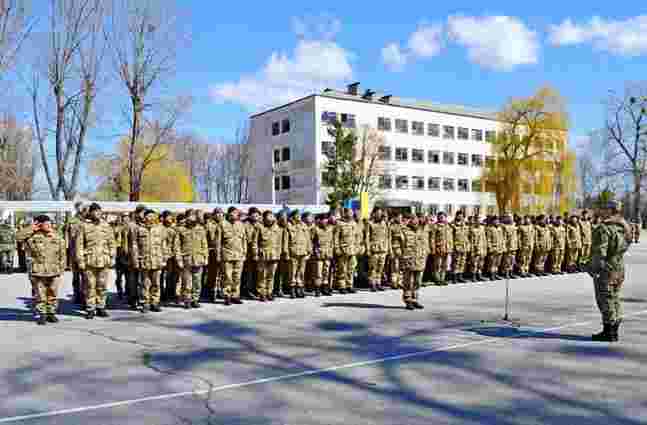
(607,294)
(191,284)
(376,268)
(440,268)
(151,287)
(266,271)
(322,273)
(540,261)
(572,257)
(585,254)
(556,260)
(309,278)
(45,290)
(494,262)
(96,281)
(78,285)
(411,284)
(458,262)
(396,272)
(6,261)
(133,286)
(476,263)
(282,279)
(507,261)
(344,272)
(524,256)
(215,275)
(169,277)
(233,270)
(297,270)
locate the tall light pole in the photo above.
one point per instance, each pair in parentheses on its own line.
(272,183)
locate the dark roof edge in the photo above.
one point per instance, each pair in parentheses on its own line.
(276,108)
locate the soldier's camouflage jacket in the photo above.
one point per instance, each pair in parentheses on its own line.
(443,239)
(7,237)
(48,252)
(377,238)
(495,239)
(586,230)
(559,237)
(478,240)
(232,244)
(395,230)
(322,240)
(270,242)
(511,237)
(345,238)
(573,237)
(252,230)
(95,245)
(191,248)
(414,248)
(461,238)
(611,240)
(149,246)
(299,240)
(526,237)
(170,234)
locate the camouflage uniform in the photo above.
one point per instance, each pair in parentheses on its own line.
(462,248)
(121,261)
(191,254)
(232,247)
(395,230)
(48,261)
(611,240)
(377,247)
(283,272)
(443,245)
(478,241)
(511,248)
(496,248)
(586,231)
(133,276)
(414,257)
(543,245)
(148,252)
(95,254)
(558,233)
(78,277)
(526,234)
(299,249)
(7,247)
(359,250)
(573,246)
(170,272)
(322,253)
(345,244)
(251,266)
(214,267)
(270,248)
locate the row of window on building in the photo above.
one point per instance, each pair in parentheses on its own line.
(449,132)
(448,184)
(466,209)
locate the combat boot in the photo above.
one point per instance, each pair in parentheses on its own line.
(409,306)
(460,278)
(101,312)
(262,298)
(41,320)
(614,331)
(351,290)
(187,305)
(605,335)
(317,292)
(145,309)
(90,315)
(237,301)
(293,292)
(195,304)
(301,293)
(373,287)
(51,318)
(227,300)
(156,308)
(380,288)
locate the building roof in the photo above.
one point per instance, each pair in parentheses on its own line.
(397,102)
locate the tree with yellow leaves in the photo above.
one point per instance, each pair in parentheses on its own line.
(528,149)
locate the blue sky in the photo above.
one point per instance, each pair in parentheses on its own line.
(244,56)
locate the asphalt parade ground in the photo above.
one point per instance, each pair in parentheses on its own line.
(346,359)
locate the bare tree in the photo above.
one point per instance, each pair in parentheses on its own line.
(16,163)
(64,89)
(368,164)
(15,26)
(143,37)
(626,138)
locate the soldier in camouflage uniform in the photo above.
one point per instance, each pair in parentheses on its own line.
(357,262)
(7,247)
(635,226)
(526,232)
(509,230)
(147,251)
(191,254)
(95,255)
(345,243)
(478,241)
(543,245)
(443,245)
(214,268)
(133,279)
(232,247)
(72,229)
(250,267)
(558,231)
(496,247)
(573,244)
(309,277)
(377,247)
(462,247)
(270,248)
(169,275)
(587,233)
(322,253)
(47,250)
(283,273)
(396,251)
(121,263)
(611,240)
(414,257)
(299,249)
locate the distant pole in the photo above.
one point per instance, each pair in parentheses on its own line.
(507,299)
(273,187)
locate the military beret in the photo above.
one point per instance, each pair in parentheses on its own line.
(218,211)
(139,208)
(94,206)
(43,218)
(253,210)
(294,213)
(231,210)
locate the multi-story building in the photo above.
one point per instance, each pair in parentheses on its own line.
(433,155)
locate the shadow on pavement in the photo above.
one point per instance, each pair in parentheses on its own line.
(364,305)
(512,332)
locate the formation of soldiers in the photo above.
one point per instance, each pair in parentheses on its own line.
(7,247)
(188,258)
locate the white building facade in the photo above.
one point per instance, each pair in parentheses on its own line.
(433,155)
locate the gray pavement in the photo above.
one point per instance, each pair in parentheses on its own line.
(351,359)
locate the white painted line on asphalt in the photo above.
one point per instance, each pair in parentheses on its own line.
(288,376)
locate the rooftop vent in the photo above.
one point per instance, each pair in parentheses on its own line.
(368,95)
(386,99)
(353,89)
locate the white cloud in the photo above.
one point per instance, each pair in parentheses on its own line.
(495,42)
(628,37)
(425,42)
(323,27)
(312,66)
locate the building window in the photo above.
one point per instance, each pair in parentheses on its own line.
(285,126)
(433,157)
(433,130)
(328,117)
(348,120)
(477,160)
(433,183)
(477,135)
(417,128)
(463,159)
(328,149)
(448,132)
(418,155)
(276,128)
(402,126)
(449,185)
(401,154)
(490,135)
(448,158)
(418,183)
(285,154)
(476,185)
(277,156)
(463,185)
(285,182)
(402,182)
(277,183)
(384,124)
(384,153)
(386,182)
(463,133)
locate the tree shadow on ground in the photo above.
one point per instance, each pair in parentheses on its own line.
(364,305)
(520,333)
